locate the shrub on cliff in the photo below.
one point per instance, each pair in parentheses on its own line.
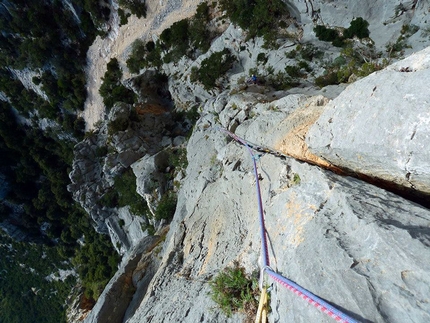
(212,68)
(358,27)
(167,206)
(136,7)
(258,17)
(112,90)
(234,291)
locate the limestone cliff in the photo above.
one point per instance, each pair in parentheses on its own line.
(359,246)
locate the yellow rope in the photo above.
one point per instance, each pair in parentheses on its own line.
(262,307)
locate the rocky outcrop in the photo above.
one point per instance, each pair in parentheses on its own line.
(129,134)
(392,106)
(386,18)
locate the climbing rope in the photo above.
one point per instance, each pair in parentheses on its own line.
(298,290)
(255,157)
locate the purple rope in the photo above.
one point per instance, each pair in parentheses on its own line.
(264,248)
(298,290)
(311,298)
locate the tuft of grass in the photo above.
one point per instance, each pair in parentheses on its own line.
(233,291)
(296,179)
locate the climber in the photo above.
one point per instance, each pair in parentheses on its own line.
(254,79)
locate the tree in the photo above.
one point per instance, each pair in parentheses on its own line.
(358,27)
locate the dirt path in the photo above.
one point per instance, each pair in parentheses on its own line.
(160,15)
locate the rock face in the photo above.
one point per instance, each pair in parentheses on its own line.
(361,248)
(123,285)
(393,107)
(105,154)
(386,17)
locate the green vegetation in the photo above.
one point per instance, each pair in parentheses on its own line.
(187,34)
(25,293)
(122,123)
(262,58)
(37,172)
(401,42)
(296,179)
(233,291)
(123,17)
(212,68)
(306,52)
(280,81)
(294,71)
(50,40)
(137,7)
(358,28)
(166,207)
(123,193)
(178,158)
(143,56)
(358,61)
(175,41)
(96,263)
(111,89)
(259,17)
(199,35)
(47,38)
(184,37)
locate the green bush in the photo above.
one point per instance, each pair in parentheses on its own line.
(144,55)
(329,78)
(123,17)
(258,17)
(136,60)
(262,58)
(175,40)
(96,262)
(305,66)
(110,198)
(120,124)
(178,158)
(358,27)
(326,34)
(233,291)
(308,52)
(199,35)
(212,68)
(125,186)
(112,90)
(167,206)
(280,81)
(293,71)
(137,7)
(180,39)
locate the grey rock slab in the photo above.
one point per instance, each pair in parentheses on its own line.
(357,246)
(379,126)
